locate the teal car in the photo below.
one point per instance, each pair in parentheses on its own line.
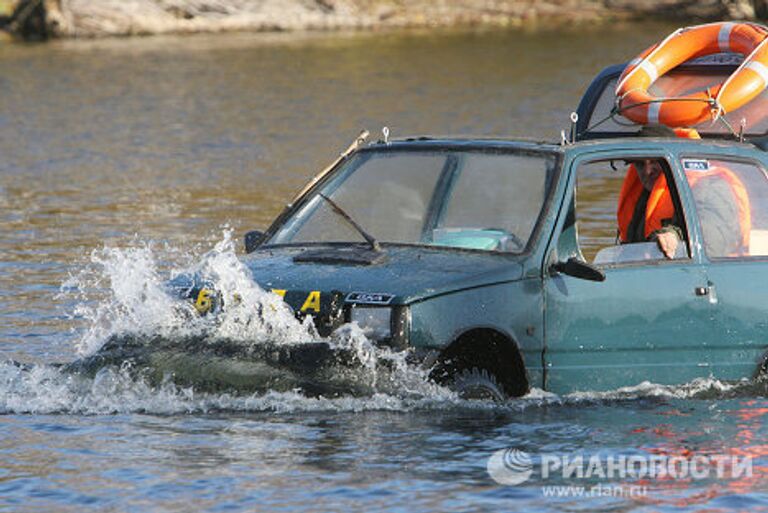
(495,263)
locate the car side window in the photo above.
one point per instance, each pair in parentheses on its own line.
(732,205)
(621,206)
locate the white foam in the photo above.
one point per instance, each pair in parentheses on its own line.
(131,297)
(46,390)
(122,291)
(693,389)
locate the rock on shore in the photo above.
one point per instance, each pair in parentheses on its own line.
(93,18)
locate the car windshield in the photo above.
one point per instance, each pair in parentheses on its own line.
(456,198)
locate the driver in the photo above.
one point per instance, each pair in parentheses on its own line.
(645,211)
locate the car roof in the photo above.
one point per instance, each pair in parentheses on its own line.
(631,143)
(463,143)
(640,142)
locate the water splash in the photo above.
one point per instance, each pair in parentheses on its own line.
(42,389)
(135,300)
(124,290)
(699,388)
(252,315)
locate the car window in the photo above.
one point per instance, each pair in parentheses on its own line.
(388,194)
(609,195)
(501,193)
(732,206)
(470,199)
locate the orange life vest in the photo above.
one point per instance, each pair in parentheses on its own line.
(660,206)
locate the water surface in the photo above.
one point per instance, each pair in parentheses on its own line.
(157,144)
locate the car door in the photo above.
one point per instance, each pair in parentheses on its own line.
(645,321)
(731,201)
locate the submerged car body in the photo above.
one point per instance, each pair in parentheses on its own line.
(514,313)
(467,253)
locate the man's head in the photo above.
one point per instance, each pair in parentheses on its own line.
(648,170)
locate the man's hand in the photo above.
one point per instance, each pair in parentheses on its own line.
(668,242)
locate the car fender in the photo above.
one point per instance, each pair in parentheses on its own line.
(514,310)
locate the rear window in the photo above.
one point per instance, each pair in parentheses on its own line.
(732,206)
(677,83)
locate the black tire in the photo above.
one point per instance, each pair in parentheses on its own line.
(477,384)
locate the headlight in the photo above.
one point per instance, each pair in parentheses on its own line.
(375,322)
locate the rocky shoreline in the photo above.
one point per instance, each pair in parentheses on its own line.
(41,19)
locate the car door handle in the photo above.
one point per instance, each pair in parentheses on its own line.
(709,291)
(701,291)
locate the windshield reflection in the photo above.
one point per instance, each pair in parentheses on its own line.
(459,199)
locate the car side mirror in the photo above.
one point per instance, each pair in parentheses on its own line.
(253,240)
(579,269)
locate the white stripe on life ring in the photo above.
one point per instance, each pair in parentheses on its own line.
(650,70)
(748,61)
(653,113)
(761,69)
(724,37)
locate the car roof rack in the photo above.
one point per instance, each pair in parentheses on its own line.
(598,119)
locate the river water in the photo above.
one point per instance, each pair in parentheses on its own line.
(126,160)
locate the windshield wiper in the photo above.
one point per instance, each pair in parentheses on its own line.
(340,211)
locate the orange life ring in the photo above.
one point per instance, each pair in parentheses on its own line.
(750,79)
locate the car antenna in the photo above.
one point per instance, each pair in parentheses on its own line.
(368,237)
(574,120)
(742,127)
(564,139)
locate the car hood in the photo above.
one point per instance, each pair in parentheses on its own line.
(408,273)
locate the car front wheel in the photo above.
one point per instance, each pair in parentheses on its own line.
(477,384)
